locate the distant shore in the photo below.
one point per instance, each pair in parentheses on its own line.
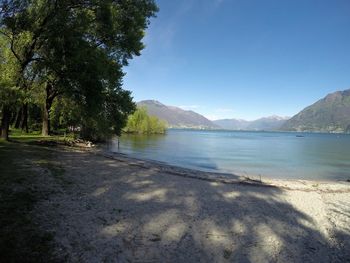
(243,130)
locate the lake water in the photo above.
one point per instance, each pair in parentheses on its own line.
(269,154)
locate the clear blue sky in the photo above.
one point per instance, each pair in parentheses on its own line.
(243,58)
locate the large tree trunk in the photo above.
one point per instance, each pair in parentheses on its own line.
(18,118)
(5,122)
(51,94)
(46,120)
(24,120)
(12,118)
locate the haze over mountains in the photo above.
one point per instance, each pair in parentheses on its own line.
(330,114)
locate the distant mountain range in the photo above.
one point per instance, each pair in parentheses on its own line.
(177,117)
(271,123)
(330,114)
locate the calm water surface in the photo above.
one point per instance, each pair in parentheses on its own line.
(269,154)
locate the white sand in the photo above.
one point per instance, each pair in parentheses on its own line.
(125,210)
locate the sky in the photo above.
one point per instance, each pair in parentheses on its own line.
(243,59)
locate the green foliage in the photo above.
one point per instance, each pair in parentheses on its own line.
(65,114)
(141,122)
(74,52)
(9,92)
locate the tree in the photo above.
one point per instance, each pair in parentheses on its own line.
(140,122)
(76,49)
(9,92)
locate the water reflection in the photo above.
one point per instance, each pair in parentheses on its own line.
(139,142)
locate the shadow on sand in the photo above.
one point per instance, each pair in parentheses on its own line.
(117,212)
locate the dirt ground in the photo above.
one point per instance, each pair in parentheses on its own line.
(124,210)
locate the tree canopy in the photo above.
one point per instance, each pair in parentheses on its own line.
(72,53)
(141,122)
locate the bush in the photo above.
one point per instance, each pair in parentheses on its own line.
(140,122)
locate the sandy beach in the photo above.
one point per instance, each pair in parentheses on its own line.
(112,208)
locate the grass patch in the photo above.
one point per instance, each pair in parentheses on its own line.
(20,238)
(19,132)
(35,137)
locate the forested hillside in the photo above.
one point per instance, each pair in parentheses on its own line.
(330,114)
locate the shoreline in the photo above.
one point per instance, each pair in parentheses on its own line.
(99,207)
(267,131)
(230,178)
(127,209)
(292,159)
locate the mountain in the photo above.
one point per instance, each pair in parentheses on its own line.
(179,118)
(267,123)
(232,124)
(330,114)
(263,124)
(176,117)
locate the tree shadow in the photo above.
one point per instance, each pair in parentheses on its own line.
(119,212)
